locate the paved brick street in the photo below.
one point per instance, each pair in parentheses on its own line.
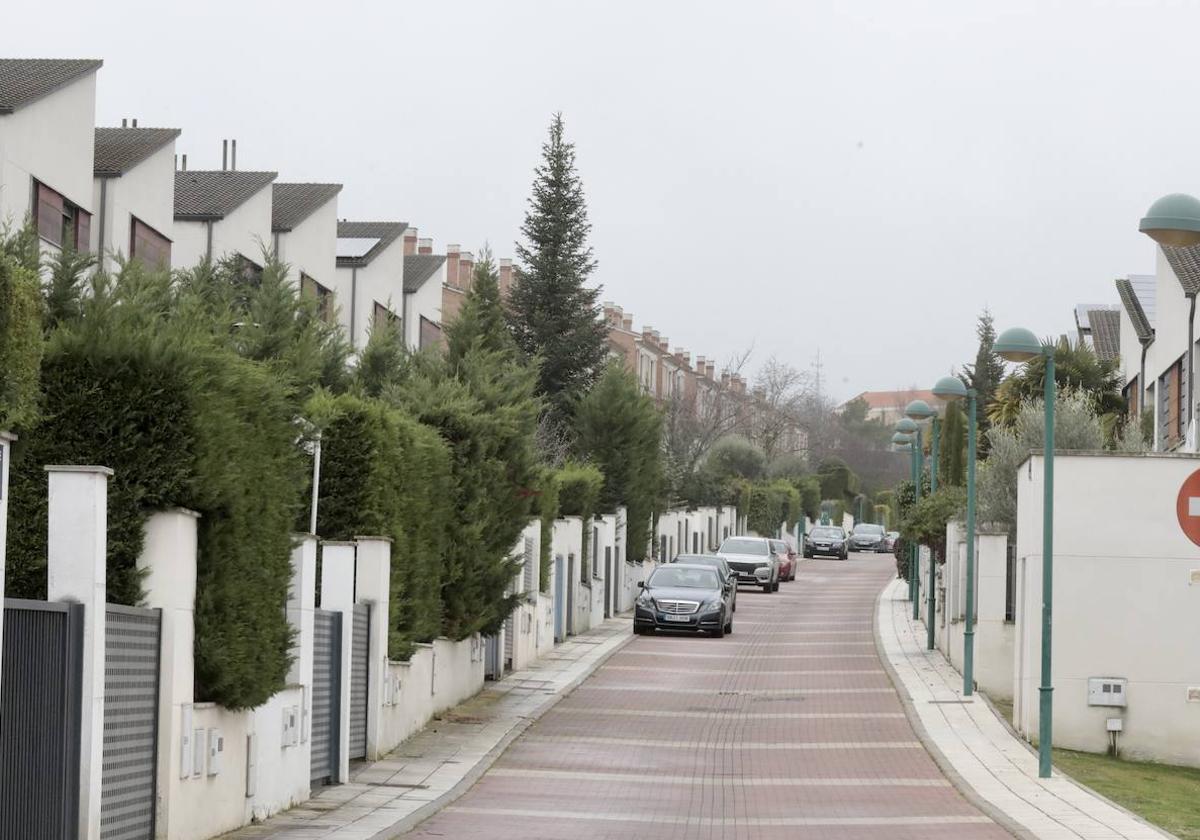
(788,728)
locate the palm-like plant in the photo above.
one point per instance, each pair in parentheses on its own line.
(1076,368)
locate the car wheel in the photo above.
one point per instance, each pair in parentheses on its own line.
(729,625)
(719,633)
(767,587)
(775,588)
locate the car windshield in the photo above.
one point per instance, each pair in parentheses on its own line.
(684,577)
(778,547)
(828,533)
(744,546)
(869,530)
(699,560)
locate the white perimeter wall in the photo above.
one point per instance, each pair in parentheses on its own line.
(1125,604)
(146,191)
(438,676)
(52,140)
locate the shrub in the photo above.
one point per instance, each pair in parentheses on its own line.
(926,521)
(20,342)
(579,487)
(382,473)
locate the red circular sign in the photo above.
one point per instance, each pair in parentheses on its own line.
(1187,507)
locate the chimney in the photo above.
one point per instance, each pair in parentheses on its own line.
(710,370)
(424,246)
(506,276)
(466,269)
(724,379)
(609,311)
(233,155)
(627,321)
(664,344)
(684,356)
(700,365)
(452,266)
(185,163)
(124,123)
(135,122)
(224,155)
(410,241)
(648,335)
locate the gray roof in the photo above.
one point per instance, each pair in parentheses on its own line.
(385,232)
(201,194)
(1133,307)
(26,80)
(420,267)
(1106,333)
(291,204)
(1185,262)
(120,149)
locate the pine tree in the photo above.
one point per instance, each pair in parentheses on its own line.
(984,375)
(553,315)
(481,321)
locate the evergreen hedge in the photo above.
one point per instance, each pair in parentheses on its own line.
(383,473)
(579,487)
(20,341)
(546,506)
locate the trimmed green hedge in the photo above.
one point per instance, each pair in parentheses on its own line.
(383,473)
(546,507)
(20,342)
(579,487)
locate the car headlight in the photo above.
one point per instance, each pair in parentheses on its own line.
(711,605)
(644,600)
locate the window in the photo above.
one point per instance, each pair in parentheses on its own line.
(148,245)
(310,288)
(1171,407)
(60,222)
(248,270)
(1130,393)
(430,334)
(383,316)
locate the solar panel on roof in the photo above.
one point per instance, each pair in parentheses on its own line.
(357,246)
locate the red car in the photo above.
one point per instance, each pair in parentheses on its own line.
(787,559)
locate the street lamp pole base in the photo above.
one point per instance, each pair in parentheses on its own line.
(1045,729)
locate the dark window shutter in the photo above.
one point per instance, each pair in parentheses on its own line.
(83,231)
(49,214)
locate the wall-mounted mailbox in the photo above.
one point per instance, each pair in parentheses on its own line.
(185,742)
(216,746)
(291,726)
(1107,691)
(198,752)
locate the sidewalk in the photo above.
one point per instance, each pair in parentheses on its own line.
(432,768)
(981,754)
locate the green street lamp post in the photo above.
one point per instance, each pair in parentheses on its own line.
(1020,345)
(916,411)
(908,426)
(949,389)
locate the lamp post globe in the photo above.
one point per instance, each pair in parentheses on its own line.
(906,426)
(1173,220)
(901,441)
(1017,344)
(919,410)
(950,388)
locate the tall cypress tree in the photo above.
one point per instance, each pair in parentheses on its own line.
(481,320)
(552,314)
(984,375)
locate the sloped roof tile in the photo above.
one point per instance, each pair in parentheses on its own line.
(212,194)
(385,232)
(1106,333)
(291,204)
(26,80)
(1133,308)
(420,267)
(120,149)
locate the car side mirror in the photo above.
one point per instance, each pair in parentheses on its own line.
(641,584)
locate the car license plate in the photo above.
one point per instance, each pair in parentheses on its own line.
(677,617)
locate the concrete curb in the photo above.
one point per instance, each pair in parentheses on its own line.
(473,775)
(960,784)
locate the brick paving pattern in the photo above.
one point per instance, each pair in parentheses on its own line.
(788,728)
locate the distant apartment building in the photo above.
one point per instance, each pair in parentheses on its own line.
(134,195)
(47,120)
(887,407)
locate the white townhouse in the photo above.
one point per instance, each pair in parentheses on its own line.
(424,280)
(222,213)
(47,117)
(304,228)
(134,194)
(369,283)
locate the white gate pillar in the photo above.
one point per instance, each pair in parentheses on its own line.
(373,582)
(337,595)
(76,568)
(6,440)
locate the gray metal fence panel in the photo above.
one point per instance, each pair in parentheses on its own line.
(360,657)
(327,655)
(131,658)
(39,720)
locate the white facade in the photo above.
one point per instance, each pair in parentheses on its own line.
(425,302)
(245,230)
(50,140)
(359,288)
(1126,603)
(311,247)
(146,191)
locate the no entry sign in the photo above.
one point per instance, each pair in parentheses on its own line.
(1187,507)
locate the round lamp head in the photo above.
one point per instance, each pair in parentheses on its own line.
(1017,344)
(906,426)
(901,441)
(1173,220)
(919,410)
(950,388)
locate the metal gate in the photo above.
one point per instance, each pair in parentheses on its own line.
(39,720)
(560,599)
(327,662)
(608,581)
(127,787)
(493,661)
(360,657)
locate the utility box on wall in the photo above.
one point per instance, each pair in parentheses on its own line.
(1107,691)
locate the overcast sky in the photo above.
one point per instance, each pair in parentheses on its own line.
(860,177)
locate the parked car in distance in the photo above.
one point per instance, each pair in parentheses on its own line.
(682,597)
(753,560)
(716,562)
(867,537)
(827,540)
(787,559)
(889,540)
